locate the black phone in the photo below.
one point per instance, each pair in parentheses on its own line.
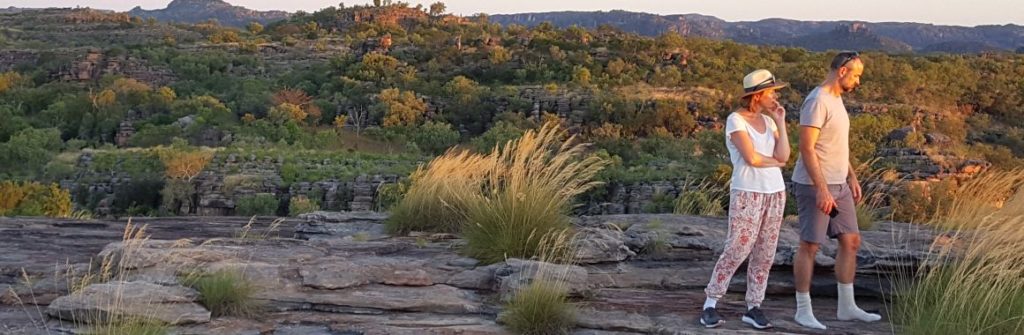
(833,212)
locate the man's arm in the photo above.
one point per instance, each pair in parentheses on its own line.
(808,138)
(851,179)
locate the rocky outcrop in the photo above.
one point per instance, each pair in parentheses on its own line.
(94,65)
(329,282)
(930,164)
(97,302)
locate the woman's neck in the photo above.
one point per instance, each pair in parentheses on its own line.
(748,111)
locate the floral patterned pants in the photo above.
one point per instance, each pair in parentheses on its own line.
(754,222)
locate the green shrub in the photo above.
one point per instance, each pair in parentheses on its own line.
(225,293)
(262,204)
(140,194)
(34,199)
(390,194)
(300,204)
(500,133)
(434,137)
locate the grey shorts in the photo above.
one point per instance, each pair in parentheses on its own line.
(815,225)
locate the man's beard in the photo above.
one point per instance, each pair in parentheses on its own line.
(848,89)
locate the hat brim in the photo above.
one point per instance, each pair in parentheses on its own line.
(775,86)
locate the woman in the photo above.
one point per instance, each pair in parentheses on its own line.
(758,147)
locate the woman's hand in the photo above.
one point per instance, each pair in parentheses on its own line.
(778,113)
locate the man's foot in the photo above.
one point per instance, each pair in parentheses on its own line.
(808,320)
(755,317)
(709,318)
(847,309)
(854,313)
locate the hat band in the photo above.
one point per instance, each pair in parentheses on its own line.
(766,83)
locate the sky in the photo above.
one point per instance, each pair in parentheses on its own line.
(945,12)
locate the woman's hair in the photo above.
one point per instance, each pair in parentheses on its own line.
(748,101)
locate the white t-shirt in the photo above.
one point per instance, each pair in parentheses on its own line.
(746,177)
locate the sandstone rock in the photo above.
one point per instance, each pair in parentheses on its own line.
(341,224)
(339,274)
(481,278)
(517,273)
(614,320)
(601,245)
(171,304)
(434,299)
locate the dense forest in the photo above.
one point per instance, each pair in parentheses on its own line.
(386,86)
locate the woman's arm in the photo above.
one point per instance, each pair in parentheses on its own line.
(782,149)
(745,146)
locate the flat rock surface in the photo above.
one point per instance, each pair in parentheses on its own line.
(343,276)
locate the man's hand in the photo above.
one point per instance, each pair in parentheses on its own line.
(855,189)
(825,201)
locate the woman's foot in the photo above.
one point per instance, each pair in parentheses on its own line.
(755,317)
(710,318)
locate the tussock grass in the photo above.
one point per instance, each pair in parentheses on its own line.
(975,202)
(543,306)
(131,327)
(248,233)
(973,286)
(225,293)
(527,194)
(707,198)
(435,200)
(504,203)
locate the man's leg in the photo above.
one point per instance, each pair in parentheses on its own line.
(813,224)
(846,258)
(803,269)
(803,266)
(844,227)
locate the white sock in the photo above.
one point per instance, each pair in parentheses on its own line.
(804,314)
(710,302)
(751,306)
(848,309)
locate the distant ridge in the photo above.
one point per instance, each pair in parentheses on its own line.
(812,35)
(193,11)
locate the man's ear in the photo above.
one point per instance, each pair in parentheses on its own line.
(843,71)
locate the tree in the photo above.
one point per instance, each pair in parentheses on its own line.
(25,154)
(255,28)
(399,108)
(285,112)
(581,76)
(437,8)
(184,164)
(211,110)
(498,55)
(9,80)
(182,167)
(434,137)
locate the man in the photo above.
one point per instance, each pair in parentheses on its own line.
(826,188)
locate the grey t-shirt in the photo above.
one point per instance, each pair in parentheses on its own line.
(826,112)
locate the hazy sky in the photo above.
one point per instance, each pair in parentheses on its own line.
(953,12)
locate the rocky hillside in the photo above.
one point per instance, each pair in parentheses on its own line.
(193,11)
(888,36)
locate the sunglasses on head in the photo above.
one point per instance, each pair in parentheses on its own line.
(846,57)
